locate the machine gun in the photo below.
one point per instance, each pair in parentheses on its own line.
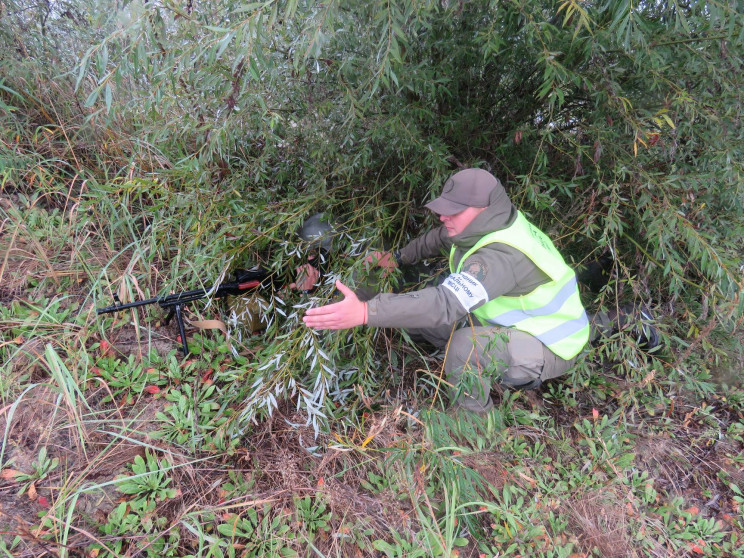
(244,281)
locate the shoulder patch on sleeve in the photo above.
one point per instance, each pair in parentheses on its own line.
(477,268)
(467,288)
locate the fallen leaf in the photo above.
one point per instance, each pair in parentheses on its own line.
(630,509)
(530,480)
(9,474)
(152,389)
(43,501)
(32,492)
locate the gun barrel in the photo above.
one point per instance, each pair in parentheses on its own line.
(117,307)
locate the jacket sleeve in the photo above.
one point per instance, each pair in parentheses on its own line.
(433,243)
(487,274)
(428,307)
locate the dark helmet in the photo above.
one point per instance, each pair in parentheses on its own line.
(319,231)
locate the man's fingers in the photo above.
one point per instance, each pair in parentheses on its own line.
(350,312)
(346,291)
(316,323)
(322,310)
(324,320)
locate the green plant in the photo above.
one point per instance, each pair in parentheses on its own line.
(400,547)
(376,483)
(259,535)
(136,526)
(358,534)
(126,380)
(8,548)
(150,479)
(193,416)
(312,514)
(606,443)
(42,467)
(238,484)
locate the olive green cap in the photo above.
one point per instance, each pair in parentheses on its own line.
(467,188)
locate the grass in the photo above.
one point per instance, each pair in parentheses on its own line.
(113,445)
(291,443)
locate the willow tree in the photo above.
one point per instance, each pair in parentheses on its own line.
(615,125)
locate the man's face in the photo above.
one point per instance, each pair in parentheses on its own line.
(458,222)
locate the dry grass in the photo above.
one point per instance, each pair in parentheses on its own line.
(490,466)
(600,521)
(285,467)
(667,460)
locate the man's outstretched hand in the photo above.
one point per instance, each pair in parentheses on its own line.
(350,312)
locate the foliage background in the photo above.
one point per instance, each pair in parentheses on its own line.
(153,146)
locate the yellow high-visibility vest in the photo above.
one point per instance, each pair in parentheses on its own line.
(553,311)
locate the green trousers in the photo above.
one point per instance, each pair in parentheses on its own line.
(478,356)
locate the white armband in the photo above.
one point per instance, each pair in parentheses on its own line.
(468,289)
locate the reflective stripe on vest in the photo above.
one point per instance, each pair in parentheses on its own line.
(552,312)
(512,317)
